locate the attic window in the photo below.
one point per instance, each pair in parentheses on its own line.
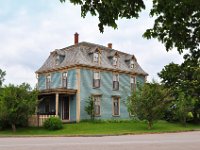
(96,57)
(132,64)
(59,59)
(115,61)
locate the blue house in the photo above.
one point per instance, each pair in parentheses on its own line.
(71,75)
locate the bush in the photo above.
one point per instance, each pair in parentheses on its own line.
(53,123)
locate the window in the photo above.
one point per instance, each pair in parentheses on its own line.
(115,81)
(115,61)
(48,81)
(64,79)
(96,57)
(57,59)
(133,83)
(96,79)
(132,64)
(97,105)
(116,106)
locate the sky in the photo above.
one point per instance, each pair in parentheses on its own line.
(30,30)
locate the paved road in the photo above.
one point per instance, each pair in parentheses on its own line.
(169,141)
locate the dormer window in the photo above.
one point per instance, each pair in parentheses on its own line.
(115,61)
(64,79)
(57,60)
(132,64)
(96,57)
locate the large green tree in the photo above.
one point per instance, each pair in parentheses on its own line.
(185,78)
(177,22)
(149,102)
(2,75)
(17,103)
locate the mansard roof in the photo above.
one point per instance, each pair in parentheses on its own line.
(79,54)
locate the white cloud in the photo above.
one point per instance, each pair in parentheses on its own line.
(29,36)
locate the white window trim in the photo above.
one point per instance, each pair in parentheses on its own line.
(135,79)
(48,75)
(132,63)
(113,106)
(62,78)
(99,96)
(98,55)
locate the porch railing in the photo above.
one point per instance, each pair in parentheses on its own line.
(38,120)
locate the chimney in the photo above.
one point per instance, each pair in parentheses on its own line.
(110,45)
(76,38)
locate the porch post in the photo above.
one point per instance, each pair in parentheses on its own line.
(57,103)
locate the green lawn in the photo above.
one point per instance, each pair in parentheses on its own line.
(103,128)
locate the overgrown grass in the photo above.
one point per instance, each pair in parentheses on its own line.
(103,128)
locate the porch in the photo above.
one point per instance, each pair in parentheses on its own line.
(55,102)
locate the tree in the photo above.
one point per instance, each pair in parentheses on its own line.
(149,102)
(2,75)
(17,103)
(184,78)
(89,107)
(177,22)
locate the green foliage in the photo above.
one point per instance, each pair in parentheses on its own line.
(17,103)
(184,78)
(110,11)
(89,107)
(177,23)
(53,123)
(148,102)
(184,105)
(2,75)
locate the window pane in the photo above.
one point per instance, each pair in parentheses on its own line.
(96,57)
(97,105)
(116,106)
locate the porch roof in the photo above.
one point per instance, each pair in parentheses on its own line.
(58,90)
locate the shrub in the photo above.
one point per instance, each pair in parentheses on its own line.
(53,123)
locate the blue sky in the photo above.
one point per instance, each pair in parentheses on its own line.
(31,29)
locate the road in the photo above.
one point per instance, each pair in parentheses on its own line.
(167,141)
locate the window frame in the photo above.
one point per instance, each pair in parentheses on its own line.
(64,78)
(113,107)
(115,82)
(98,102)
(115,61)
(48,81)
(133,84)
(132,64)
(96,59)
(98,79)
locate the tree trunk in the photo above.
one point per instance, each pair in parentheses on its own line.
(149,125)
(13,127)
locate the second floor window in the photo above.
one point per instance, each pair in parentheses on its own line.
(48,81)
(96,79)
(115,81)
(96,57)
(97,105)
(64,79)
(133,83)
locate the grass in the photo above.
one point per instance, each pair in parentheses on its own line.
(103,128)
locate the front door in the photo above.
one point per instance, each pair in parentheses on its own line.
(65,108)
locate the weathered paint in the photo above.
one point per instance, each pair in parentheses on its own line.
(72,108)
(41,82)
(55,80)
(82,80)
(106,91)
